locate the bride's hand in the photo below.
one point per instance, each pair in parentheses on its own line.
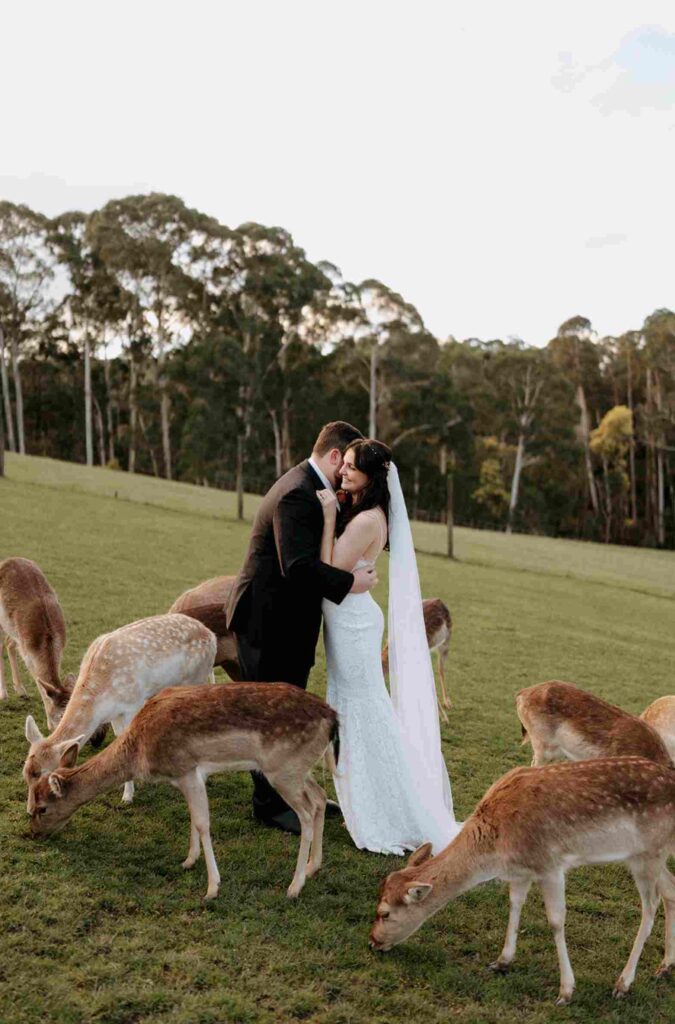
(328,504)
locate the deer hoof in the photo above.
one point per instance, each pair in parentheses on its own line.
(620,990)
(188,863)
(498,967)
(664,971)
(211,893)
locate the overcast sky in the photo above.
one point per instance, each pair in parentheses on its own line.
(503,165)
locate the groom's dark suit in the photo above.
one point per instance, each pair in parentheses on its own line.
(275,607)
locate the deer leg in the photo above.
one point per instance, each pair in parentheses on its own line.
(3,687)
(301,802)
(646,875)
(119,724)
(442,655)
(194,848)
(666,887)
(553,891)
(442,712)
(193,788)
(517,895)
(14,665)
(319,800)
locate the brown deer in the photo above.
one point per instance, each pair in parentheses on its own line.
(560,720)
(183,735)
(660,715)
(32,623)
(438,625)
(207,602)
(117,675)
(533,825)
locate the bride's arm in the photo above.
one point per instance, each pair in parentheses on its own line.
(346,551)
(329,509)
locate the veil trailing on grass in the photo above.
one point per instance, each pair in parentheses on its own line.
(413,687)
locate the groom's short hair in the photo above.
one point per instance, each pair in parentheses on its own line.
(336,435)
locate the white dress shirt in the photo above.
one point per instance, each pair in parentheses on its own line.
(323,478)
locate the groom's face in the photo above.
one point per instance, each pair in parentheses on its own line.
(335,460)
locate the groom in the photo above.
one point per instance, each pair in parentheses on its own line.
(275,606)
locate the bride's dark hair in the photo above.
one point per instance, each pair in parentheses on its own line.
(372,458)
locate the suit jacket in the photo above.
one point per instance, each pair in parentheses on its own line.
(276,601)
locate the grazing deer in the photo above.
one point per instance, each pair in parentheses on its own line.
(183,735)
(438,626)
(207,602)
(533,825)
(560,720)
(31,621)
(661,716)
(117,675)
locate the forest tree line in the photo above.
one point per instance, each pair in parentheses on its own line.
(148,337)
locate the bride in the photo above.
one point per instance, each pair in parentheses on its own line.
(392,782)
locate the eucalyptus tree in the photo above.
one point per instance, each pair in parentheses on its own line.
(146,242)
(94,301)
(257,287)
(658,334)
(26,273)
(573,350)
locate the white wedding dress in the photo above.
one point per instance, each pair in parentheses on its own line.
(384,799)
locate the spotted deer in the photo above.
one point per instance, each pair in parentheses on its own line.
(183,735)
(534,825)
(207,602)
(438,626)
(560,720)
(660,715)
(32,623)
(119,672)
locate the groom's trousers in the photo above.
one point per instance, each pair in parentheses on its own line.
(256,668)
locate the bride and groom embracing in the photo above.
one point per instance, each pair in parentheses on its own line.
(309,558)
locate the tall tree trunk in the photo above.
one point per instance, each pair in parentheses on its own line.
(165,402)
(372,415)
(141,423)
(101,431)
(88,432)
(651,501)
(660,475)
(585,436)
(2,449)
(450,504)
(631,443)
(108,405)
(9,419)
(416,489)
(133,412)
(285,433)
(515,482)
(18,394)
(278,453)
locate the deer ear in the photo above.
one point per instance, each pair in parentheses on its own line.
(56,784)
(33,734)
(417,893)
(52,691)
(419,856)
(69,755)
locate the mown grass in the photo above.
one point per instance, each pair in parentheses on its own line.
(100,924)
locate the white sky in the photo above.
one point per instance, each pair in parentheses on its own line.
(504,165)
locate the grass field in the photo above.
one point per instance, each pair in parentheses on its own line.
(100,924)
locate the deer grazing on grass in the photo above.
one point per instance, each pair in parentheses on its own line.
(660,715)
(207,602)
(533,825)
(438,625)
(560,720)
(118,673)
(31,621)
(183,735)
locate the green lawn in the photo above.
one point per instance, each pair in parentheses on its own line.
(102,925)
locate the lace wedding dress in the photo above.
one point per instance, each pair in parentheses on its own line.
(384,800)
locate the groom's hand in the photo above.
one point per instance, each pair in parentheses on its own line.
(364,580)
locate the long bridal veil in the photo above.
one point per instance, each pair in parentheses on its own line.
(413,687)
